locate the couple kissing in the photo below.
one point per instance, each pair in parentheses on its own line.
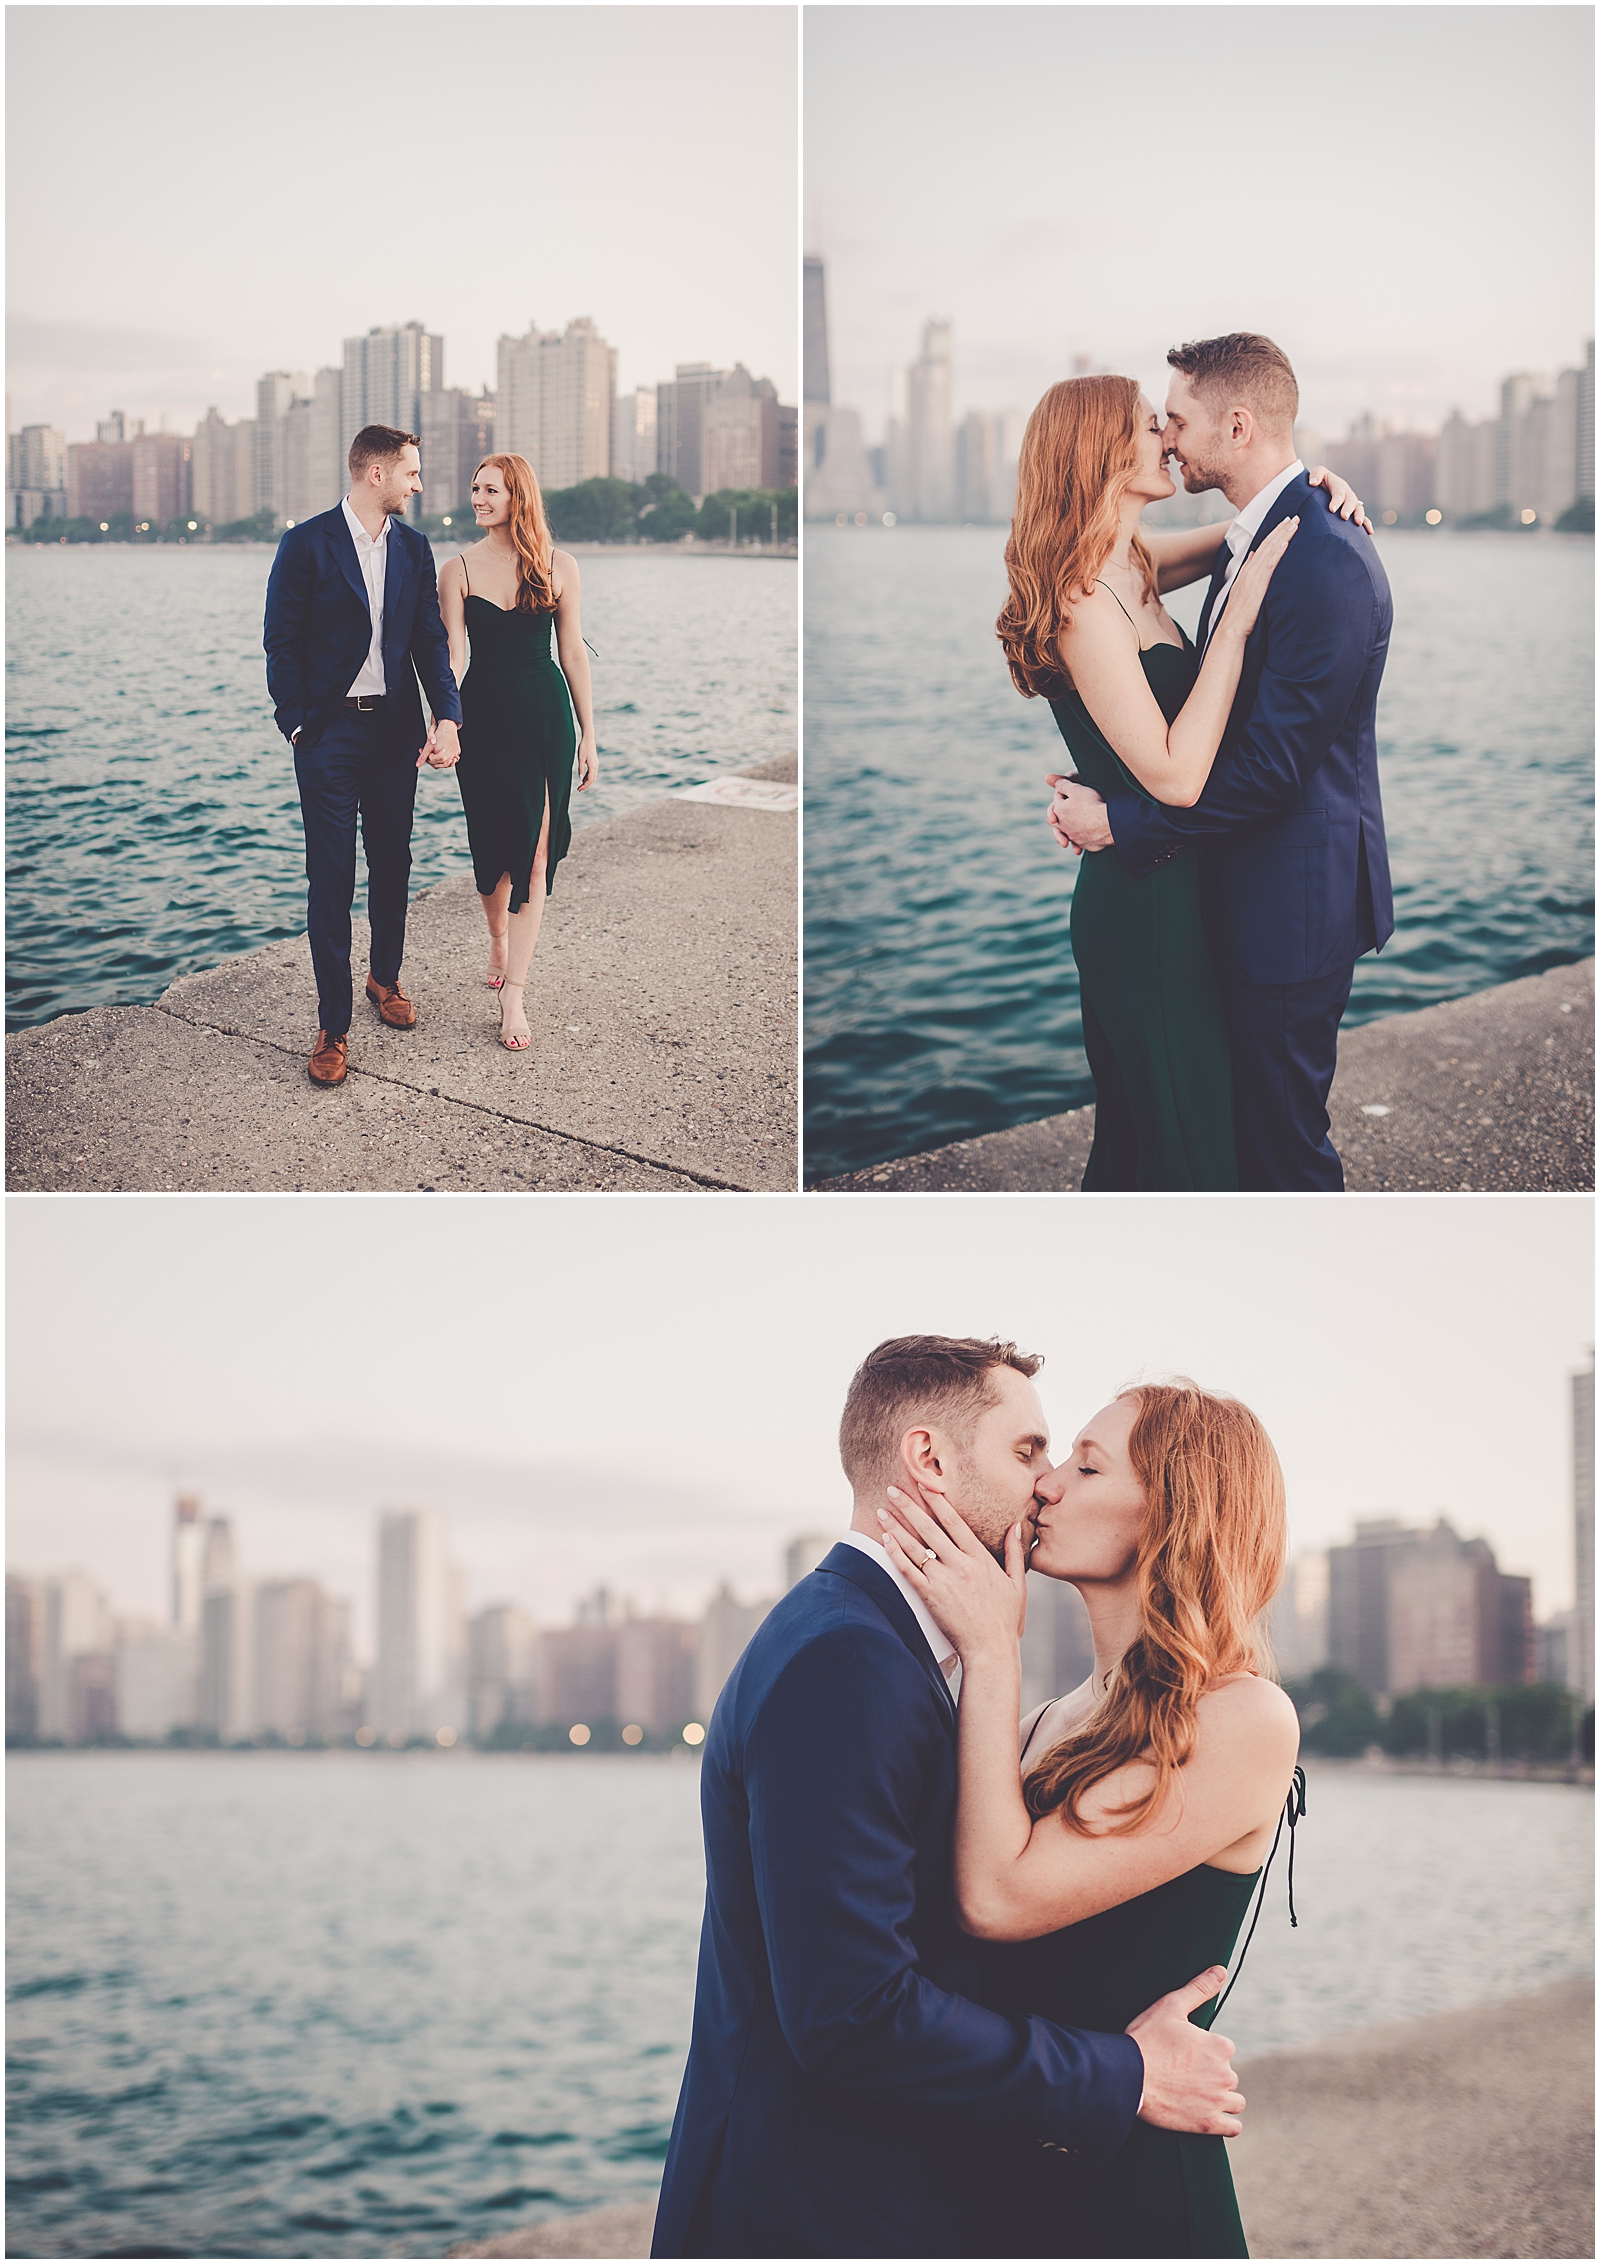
(355,618)
(958,1971)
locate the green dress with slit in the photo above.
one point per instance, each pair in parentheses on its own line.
(1154,1026)
(517,745)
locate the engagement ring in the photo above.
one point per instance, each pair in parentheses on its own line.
(930,1556)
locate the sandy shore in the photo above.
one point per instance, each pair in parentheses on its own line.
(1463,2134)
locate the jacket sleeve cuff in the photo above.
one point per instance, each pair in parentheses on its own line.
(1116,2111)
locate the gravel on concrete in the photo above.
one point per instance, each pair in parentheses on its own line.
(1462,2134)
(1491,1092)
(662,1006)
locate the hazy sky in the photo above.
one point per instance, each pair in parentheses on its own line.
(1401,196)
(200,194)
(648,1392)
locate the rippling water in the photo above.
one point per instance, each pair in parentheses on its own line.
(941,997)
(358,2005)
(152,824)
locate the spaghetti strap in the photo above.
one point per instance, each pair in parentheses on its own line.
(1293,1809)
(467,578)
(1126,615)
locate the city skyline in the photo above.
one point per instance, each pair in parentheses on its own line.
(1038,261)
(683,1435)
(222,289)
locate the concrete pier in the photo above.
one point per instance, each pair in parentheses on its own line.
(662,1005)
(1463,2134)
(1491,1092)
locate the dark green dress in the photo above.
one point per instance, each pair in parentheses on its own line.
(517,745)
(1153,1022)
(1166,2193)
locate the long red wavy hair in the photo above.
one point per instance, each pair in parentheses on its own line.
(1211,1558)
(529,530)
(1078,455)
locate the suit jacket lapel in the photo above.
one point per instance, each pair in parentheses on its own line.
(1217,574)
(875,1582)
(344,550)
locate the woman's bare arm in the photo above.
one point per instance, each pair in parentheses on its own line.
(1017,1878)
(453,613)
(1101,653)
(573,655)
(1182,555)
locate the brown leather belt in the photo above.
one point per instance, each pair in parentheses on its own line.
(368,702)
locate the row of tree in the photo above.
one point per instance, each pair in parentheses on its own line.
(123,527)
(1535,1721)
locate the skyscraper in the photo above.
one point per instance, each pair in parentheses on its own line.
(274,393)
(724,1631)
(188,1563)
(554,392)
(633,435)
(929,432)
(77,1626)
(418,1683)
(816,390)
(385,375)
(679,430)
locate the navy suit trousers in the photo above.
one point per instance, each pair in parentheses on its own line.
(352,767)
(1284,1039)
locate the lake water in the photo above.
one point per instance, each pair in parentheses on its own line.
(371,2004)
(941,996)
(152,823)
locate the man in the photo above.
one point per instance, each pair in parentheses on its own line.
(352,622)
(842,2077)
(1295,869)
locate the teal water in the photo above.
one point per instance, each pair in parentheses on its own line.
(346,2004)
(941,997)
(152,825)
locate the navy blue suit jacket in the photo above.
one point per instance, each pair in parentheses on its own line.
(319,628)
(1290,819)
(842,2079)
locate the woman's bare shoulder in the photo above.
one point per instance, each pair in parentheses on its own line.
(1249,1709)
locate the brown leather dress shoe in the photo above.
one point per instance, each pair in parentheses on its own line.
(392,1003)
(327,1063)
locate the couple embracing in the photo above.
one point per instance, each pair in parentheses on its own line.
(355,618)
(957,1976)
(1226,791)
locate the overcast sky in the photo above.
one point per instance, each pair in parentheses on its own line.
(201,194)
(1401,196)
(648,1392)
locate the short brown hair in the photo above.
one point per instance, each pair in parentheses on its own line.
(940,1379)
(376,444)
(1244,367)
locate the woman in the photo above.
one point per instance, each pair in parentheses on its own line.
(1085,627)
(1125,1859)
(516,732)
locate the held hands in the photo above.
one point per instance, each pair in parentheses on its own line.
(1342,497)
(1077,815)
(1189,2083)
(442,748)
(1250,583)
(979,1605)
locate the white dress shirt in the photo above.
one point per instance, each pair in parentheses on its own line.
(372,555)
(944,1657)
(1242,533)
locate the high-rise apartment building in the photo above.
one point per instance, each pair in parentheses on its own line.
(655,1673)
(222,470)
(1298,1618)
(77,1626)
(725,1629)
(226,1704)
(302,1667)
(418,1685)
(680,410)
(112,431)
(1410,1609)
(99,479)
(739,433)
(385,376)
(457,433)
(40,458)
(188,1563)
(156,1678)
(633,435)
(308,471)
(274,394)
(1582,1661)
(501,1643)
(554,392)
(930,441)
(576,1675)
(161,478)
(24,1657)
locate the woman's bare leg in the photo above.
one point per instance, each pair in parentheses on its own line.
(494,911)
(522,933)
